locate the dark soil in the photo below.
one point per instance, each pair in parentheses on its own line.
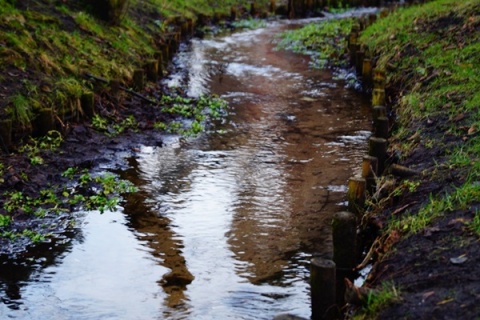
(436,271)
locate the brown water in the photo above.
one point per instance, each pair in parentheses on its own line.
(225,224)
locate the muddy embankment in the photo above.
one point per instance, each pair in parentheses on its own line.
(422,218)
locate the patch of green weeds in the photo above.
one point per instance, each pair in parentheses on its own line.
(377,300)
(112,128)
(5,220)
(20,110)
(324,41)
(50,142)
(475,224)
(194,112)
(460,199)
(249,24)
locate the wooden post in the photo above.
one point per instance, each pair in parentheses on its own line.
(356,195)
(344,232)
(379,80)
(367,71)
(44,122)
(253,9)
(138,79)
(165,53)
(322,286)
(359,61)
(379,111)
(377,147)
(152,70)
(115,88)
(354,48)
(352,39)
(159,56)
(273,6)
(381,126)
(369,171)
(233,13)
(378,97)
(88,104)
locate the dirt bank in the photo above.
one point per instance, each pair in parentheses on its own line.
(427,247)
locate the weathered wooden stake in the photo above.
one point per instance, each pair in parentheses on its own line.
(273,6)
(377,147)
(369,171)
(115,88)
(322,286)
(138,79)
(352,39)
(359,61)
(379,111)
(159,56)
(378,97)
(367,71)
(253,9)
(152,70)
(88,104)
(379,79)
(43,122)
(165,53)
(233,13)
(356,195)
(354,48)
(344,232)
(381,125)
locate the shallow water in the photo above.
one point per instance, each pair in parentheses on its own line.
(225,224)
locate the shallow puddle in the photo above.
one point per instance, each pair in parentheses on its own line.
(224,225)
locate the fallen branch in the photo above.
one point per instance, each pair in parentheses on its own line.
(369,255)
(402,171)
(130,91)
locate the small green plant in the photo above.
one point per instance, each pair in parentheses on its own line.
(20,110)
(5,220)
(51,141)
(70,172)
(249,24)
(102,124)
(475,224)
(99,123)
(377,300)
(323,41)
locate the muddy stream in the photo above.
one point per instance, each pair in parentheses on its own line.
(224,225)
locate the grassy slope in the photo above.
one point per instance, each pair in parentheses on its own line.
(431,54)
(45,46)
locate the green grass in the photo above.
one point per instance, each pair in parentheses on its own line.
(44,45)
(431,53)
(439,66)
(377,300)
(324,41)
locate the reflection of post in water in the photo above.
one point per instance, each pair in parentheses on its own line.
(155,229)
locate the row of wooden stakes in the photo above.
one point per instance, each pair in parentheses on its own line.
(330,277)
